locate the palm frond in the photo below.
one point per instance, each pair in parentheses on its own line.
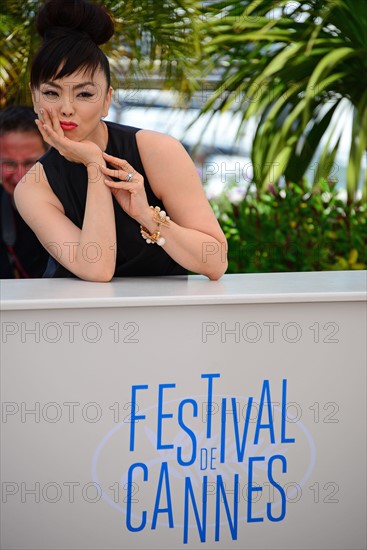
(290,64)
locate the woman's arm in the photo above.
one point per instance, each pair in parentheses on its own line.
(88,252)
(194,238)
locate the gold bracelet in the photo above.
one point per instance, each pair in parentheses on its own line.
(161,218)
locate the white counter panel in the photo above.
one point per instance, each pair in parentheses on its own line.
(139,413)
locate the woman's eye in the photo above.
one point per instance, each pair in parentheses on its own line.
(85,94)
(50,93)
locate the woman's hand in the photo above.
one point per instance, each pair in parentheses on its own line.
(82,152)
(129,191)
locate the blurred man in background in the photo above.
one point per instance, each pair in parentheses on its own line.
(21,145)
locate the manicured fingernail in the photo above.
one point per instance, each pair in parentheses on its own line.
(41,111)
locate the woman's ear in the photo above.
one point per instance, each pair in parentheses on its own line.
(107,102)
(35,98)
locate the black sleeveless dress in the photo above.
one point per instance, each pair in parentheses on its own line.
(69,182)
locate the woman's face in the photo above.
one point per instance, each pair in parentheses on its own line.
(79,101)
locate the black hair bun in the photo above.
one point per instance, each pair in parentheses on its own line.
(75,15)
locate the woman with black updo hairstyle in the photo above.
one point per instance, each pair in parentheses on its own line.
(107,200)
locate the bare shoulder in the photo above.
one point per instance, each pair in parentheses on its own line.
(152,137)
(166,162)
(175,180)
(33,190)
(156,145)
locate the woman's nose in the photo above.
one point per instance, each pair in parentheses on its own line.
(67,108)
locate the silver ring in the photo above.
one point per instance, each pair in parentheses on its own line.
(129,177)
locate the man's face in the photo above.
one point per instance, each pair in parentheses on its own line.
(19,151)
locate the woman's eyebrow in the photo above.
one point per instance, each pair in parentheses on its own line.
(74,87)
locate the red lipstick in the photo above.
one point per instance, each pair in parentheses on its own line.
(68,125)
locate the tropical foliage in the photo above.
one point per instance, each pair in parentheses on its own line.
(292,227)
(297,67)
(157,39)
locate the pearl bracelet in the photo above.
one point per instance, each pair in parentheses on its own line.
(161,218)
